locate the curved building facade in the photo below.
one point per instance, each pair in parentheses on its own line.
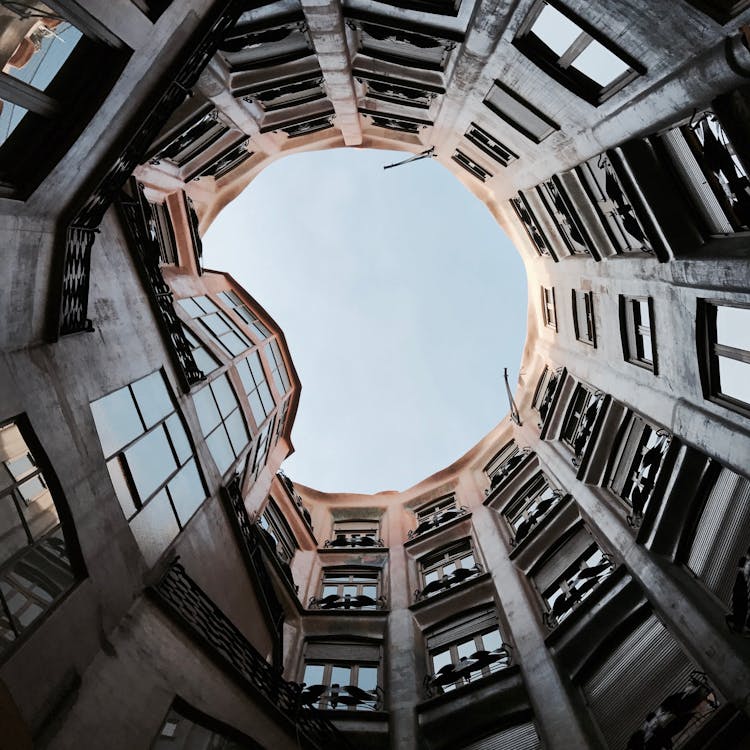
(578,579)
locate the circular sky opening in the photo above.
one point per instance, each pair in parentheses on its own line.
(401,300)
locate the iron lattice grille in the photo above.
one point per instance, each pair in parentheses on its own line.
(188,604)
(76,255)
(147,254)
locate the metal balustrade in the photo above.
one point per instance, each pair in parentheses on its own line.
(346,602)
(354,540)
(341,697)
(448,581)
(585,427)
(467,669)
(194,611)
(437,519)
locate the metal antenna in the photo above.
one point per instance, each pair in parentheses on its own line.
(514,415)
(424,155)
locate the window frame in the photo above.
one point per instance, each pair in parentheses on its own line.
(221,315)
(533,493)
(360,578)
(552,126)
(560,67)
(354,666)
(710,351)
(633,332)
(549,307)
(586,333)
(432,566)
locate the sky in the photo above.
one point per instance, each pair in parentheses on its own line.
(401,300)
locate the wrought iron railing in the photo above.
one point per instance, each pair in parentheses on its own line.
(354,540)
(448,581)
(507,469)
(678,717)
(538,509)
(346,602)
(575,589)
(738,618)
(341,697)
(467,669)
(436,520)
(75,265)
(294,495)
(147,255)
(585,428)
(192,609)
(643,475)
(550,394)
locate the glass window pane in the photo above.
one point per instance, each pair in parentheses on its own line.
(221,449)
(43,51)
(647,355)
(255,367)
(466,648)
(330,591)
(150,461)
(313,674)
(186,491)
(557,31)
(224,395)
(205,303)
(20,465)
(32,488)
(208,413)
(440,659)
(152,398)
(235,425)
(12,531)
(190,308)
(179,438)
(368,678)
(205,362)
(468,561)
(371,591)
(341,675)
(234,343)
(117,420)
(244,372)
(492,640)
(10,115)
(449,568)
(215,323)
(122,491)
(266,398)
(155,527)
(350,591)
(733,327)
(599,64)
(734,377)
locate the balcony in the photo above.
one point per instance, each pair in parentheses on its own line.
(346,602)
(585,428)
(436,520)
(341,697)
(353,540)
(448,581)
(537,510)
(678,717)
(466,670)
(295,497)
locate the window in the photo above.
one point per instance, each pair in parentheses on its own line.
(447,567)
(233,302)
(226,333)
(726,370)
(583,412)
(583,316)
(640,454)
(490,145)
(204,361)
(279,373)
(531,225)
(636,325)
(150,461)
(574,53)
(613,206)
(255,385)
(346,686)
(576,582)
(471,166)
(52,79)
(355,533)
(530,506)
(264,447)
(221,420)
(518,113)
(344,588)
(435,514)
(565,217)
(717,180)
(465,650)
(504,464)
(193,138)
(549,313)
(35,569)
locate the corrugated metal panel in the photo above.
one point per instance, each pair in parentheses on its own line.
(456,630)
(636,677)
(693,176)
(521,737)
(722,534)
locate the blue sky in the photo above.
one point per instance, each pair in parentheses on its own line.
(401,300)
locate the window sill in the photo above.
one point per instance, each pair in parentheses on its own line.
(447,594)
(432,533)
